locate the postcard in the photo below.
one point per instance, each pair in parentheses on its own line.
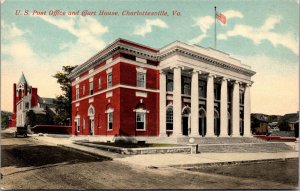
(149,94)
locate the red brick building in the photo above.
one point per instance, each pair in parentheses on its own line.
(129,89)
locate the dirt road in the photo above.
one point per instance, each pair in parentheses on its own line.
(29,164)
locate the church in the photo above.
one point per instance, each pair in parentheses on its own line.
(180,90)
(25,99)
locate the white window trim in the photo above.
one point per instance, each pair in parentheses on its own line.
(109,85)
(141,110)
(141,70)
(77,120)
(77,92)
(110,113)
(137,82)
(145,116)
(99,83)
(91,87)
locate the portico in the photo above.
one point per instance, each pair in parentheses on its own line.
(209,93)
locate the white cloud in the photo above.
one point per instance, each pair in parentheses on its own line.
(11,31)
(270,23)
(232,14)
(257,35)
(145,28)
(18,55)
(206,22)
(87,29)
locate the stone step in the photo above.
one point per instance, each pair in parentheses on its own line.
(245,147)
(220,140)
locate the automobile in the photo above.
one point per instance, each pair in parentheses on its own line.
(22,131)
(276,129)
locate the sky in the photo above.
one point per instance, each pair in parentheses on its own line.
(263,34)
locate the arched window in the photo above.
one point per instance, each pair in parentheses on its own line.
(186,110)
(202,122)
(169,119)
(216,123)
(110,119)
(91,111)
(229,129)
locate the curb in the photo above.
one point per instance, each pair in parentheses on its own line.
(230,163)
(85,151)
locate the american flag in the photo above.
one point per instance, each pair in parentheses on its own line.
(221,18)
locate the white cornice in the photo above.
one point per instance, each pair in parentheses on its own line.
(206,55)
(179,50)
(115,47)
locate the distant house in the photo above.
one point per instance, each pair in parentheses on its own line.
(259,124)
(289,122)
(26,100)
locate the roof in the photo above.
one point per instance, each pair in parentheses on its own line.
(38,110)
(260,117)
(211,56)
(47,101)
(23,80)
(291,117)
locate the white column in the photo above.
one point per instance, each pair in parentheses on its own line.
(195,105)
(247,112)
(236,110)
(224,111)
(162,104)
(177,130)
(210,107)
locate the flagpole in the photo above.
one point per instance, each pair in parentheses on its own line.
(215,28)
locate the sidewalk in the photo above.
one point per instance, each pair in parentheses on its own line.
(176,159)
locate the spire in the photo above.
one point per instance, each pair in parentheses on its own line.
(23,80)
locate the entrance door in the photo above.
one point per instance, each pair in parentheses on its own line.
(91,126)
(185,125)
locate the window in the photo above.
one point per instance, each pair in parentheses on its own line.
(83,90)
(186,86)
(77,92)
(91,88)
(27,105)
(202,89)
(141,79)
(140,121)
(78,125)
(110,121)
(170,115)
(241,97)
(20,105)
(169,119)
(169,82)
(217,91)
(187,89)
(109,80)
(99,83)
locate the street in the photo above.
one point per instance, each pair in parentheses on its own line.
(29,164)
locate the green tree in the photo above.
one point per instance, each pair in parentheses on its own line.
(4,119)
(63,102)
(31,118)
